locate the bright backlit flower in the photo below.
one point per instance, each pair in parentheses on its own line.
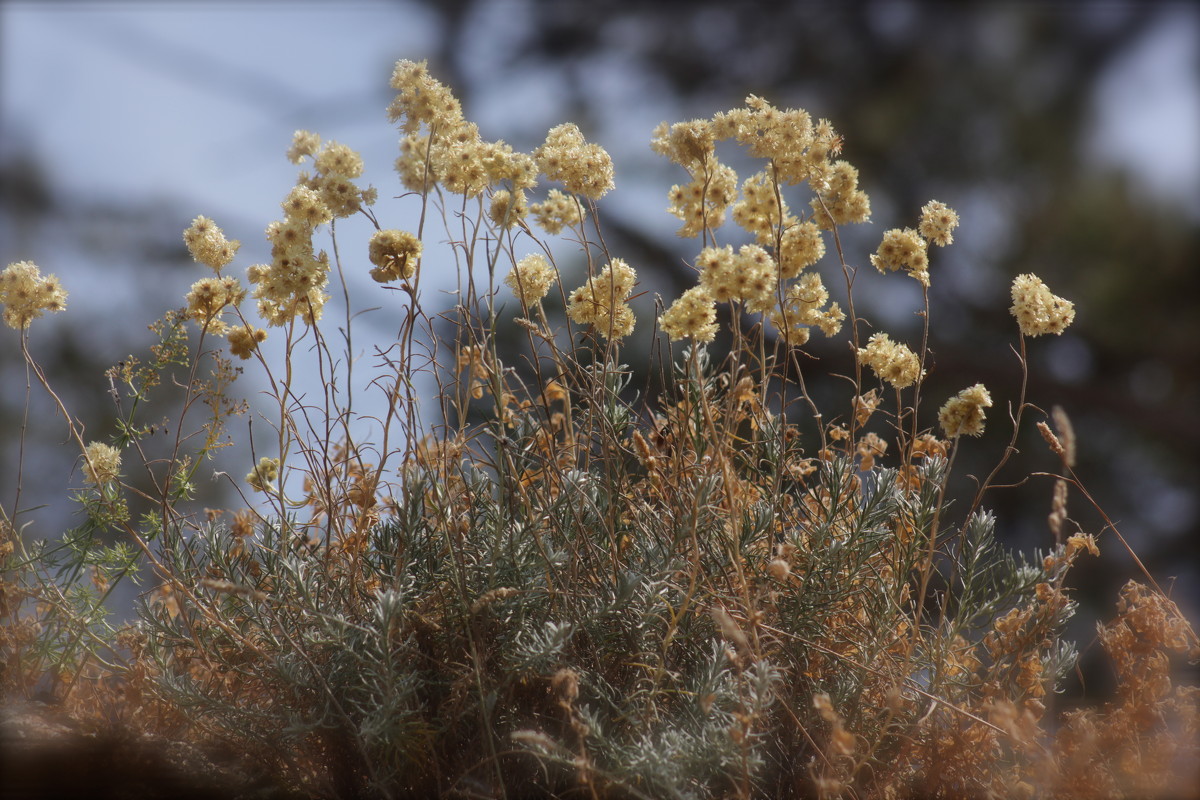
(583,168)
(600,301)
(891,361)
(25,294)
(207,244)
(693,315)
(394,254)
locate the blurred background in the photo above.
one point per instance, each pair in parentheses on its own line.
(1066,135)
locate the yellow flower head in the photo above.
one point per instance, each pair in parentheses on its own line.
(841,201)
(583,168)
(304,205)
(394,254)
(244,340)
(801,247)
(702,203)
(557,211)
(25,294)
(304,143)
(338,159)
(600,301)
(101,463)
(531,278)
(421,100)
(891,361)
(938,222)
(208,297)
(508,208)
(264,473)
(903,249)
(1037,310)
(761,209)
(749,276)
(693,315)
(689,144)
(803,306)
(207,244)
(963,413)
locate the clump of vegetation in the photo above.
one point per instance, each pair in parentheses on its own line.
(545,581)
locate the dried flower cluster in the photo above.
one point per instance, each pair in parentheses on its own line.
(208,245)
(395,255)
(582,168)
(557,211)
(531,278)
(760,276)
(25,294)
(891,361)
(903,249)
(101,463)
(693,315)
(601,301)
(1037,310)
(963,413)
(209,299)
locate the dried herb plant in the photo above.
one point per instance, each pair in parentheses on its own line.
(545,584)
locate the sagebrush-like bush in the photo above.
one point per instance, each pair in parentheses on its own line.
(546,581)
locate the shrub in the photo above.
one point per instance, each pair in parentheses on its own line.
(561,585)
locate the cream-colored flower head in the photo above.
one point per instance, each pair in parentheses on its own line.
(101,463)
(395,255)
(903,249)
(412,165)
(693,315)
(25,294)
(557,211)
(292,285)
(457,160)
(963,413)
(421,100)
(337,165)
(689,144)
(209,297)
(583,168)
(508,208)
(1037,310)
(263,475)
(600,301)
(768,132)
(702,203)
(244,340)
(803,307)
(841,198)
(749,276)
(207,244)
(335,158)
(938,222)
(802,246)
(762,208)
(891,361)
(531,278)
(304,143)
(306,206)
